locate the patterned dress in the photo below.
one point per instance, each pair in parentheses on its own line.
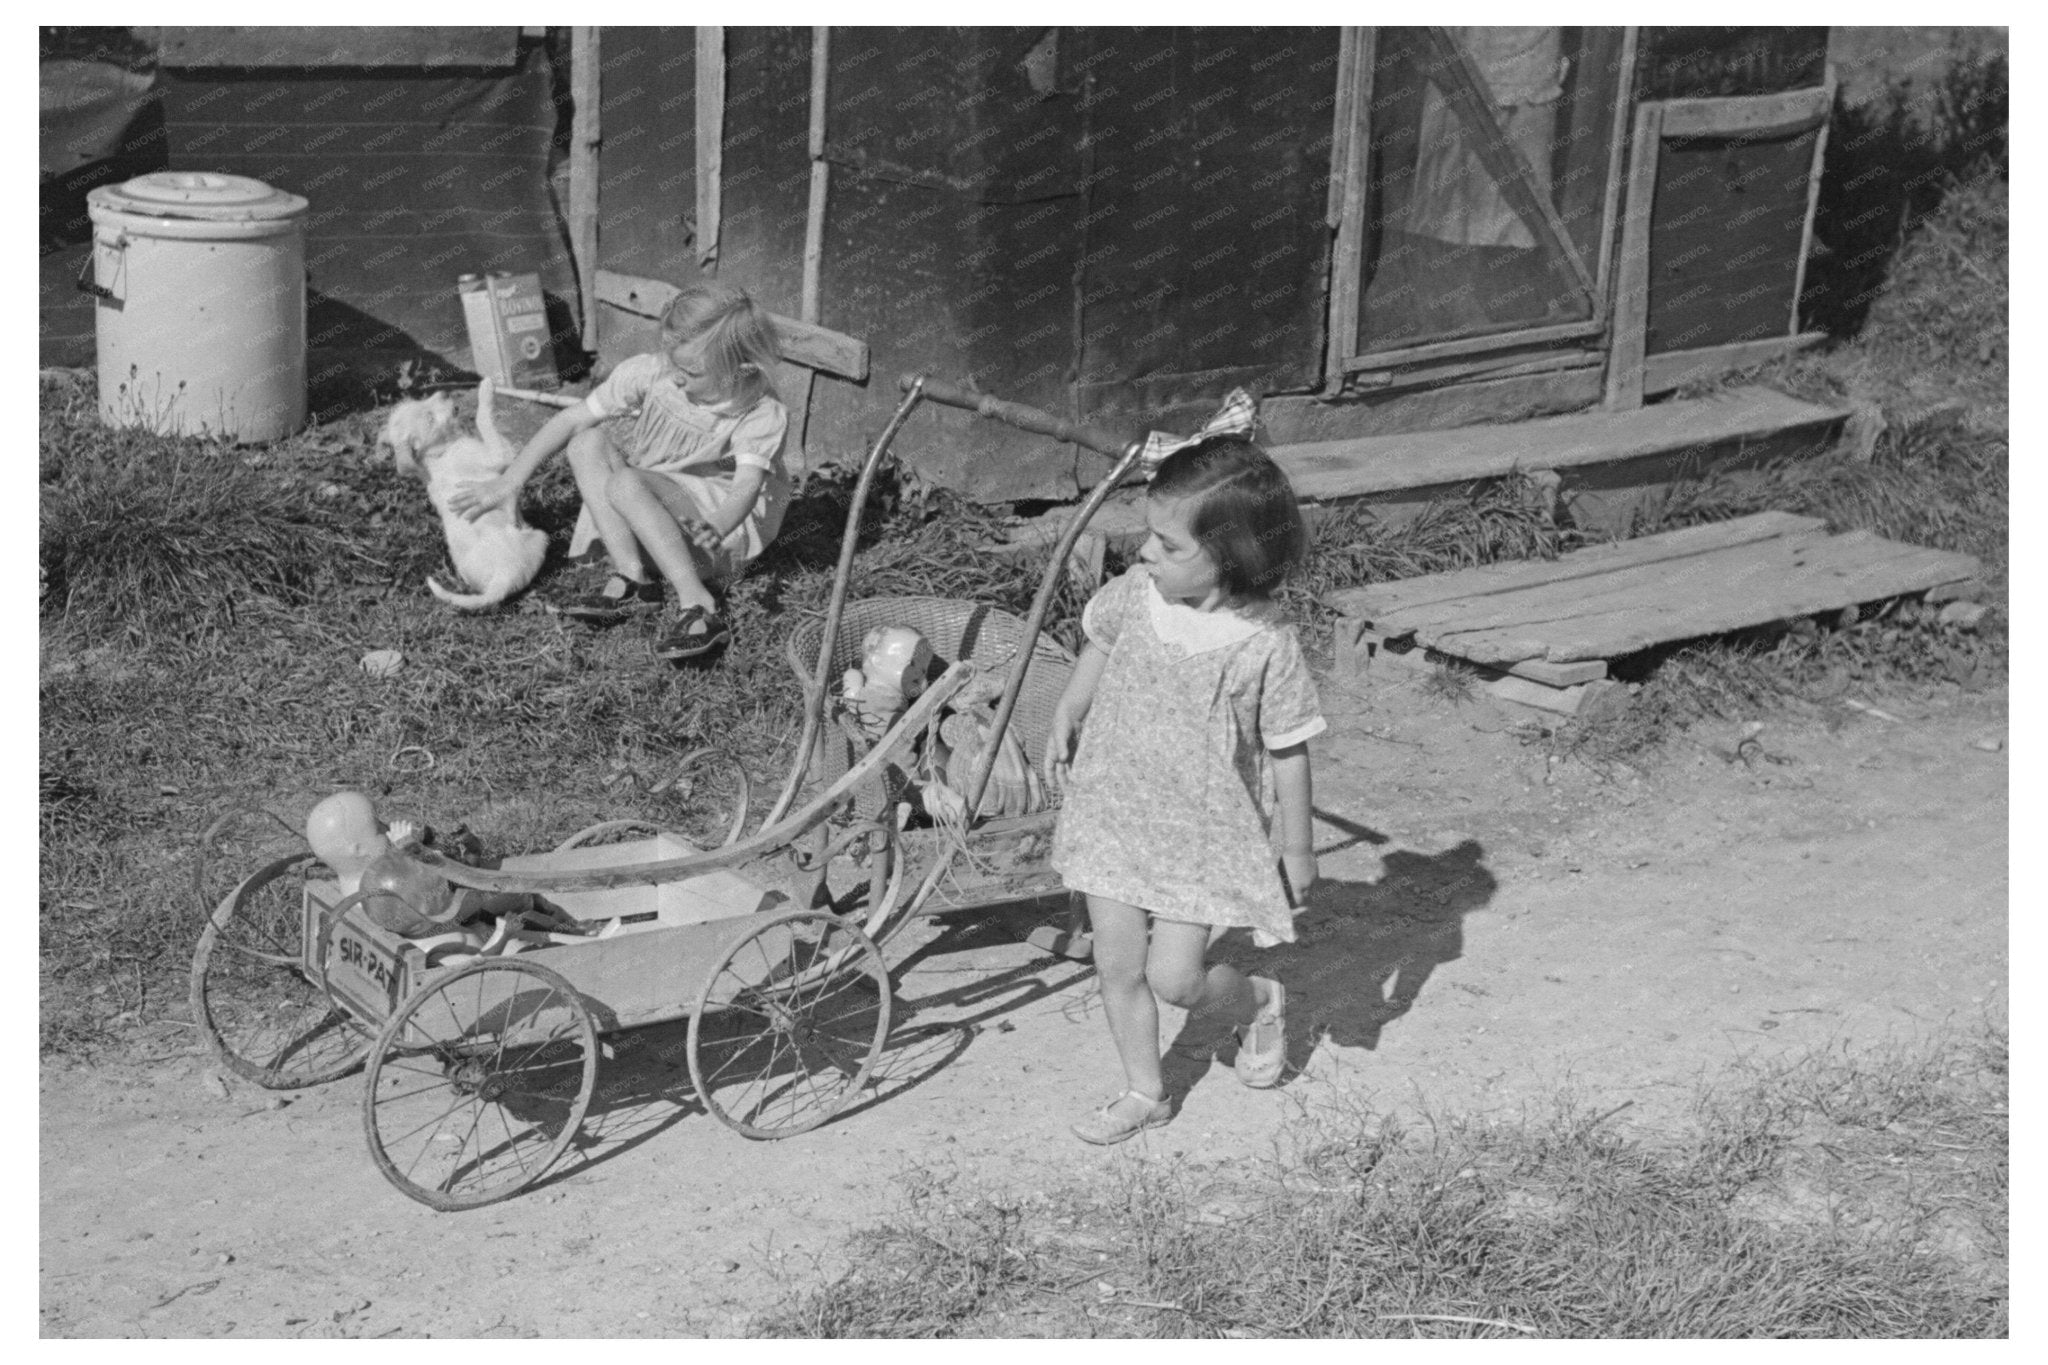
(696,445)
(1169,806)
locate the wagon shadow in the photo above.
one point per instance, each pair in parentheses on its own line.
(1363,955)
(644,1087)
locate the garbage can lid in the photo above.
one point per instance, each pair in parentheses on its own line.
(197,194)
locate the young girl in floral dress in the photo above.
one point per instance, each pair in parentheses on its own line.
(1198,708)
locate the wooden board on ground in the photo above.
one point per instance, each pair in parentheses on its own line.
(1610,600)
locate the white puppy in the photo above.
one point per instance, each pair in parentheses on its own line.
(498,553)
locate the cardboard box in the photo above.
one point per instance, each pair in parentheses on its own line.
(507,317)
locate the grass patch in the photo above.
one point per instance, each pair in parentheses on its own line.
(1842,1194)
(201,641)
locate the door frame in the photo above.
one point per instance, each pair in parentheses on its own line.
(1350,210)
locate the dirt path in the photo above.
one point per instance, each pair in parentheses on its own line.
(1622,938)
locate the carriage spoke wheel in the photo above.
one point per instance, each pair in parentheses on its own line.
(264,1016)
(478,1082)
(790,1023)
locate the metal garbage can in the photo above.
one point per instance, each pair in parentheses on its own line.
(201,319)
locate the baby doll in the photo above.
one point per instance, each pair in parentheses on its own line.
(896,661)
(411,901)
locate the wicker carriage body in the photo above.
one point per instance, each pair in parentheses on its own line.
(956,630)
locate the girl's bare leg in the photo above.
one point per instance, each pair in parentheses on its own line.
(632,496)
(1121,933)
(1177,972)
(593,461)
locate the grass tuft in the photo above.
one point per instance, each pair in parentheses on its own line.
(1788,1211)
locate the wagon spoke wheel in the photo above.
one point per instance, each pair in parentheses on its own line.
(264,1016)
(478,1082)
(790,1023)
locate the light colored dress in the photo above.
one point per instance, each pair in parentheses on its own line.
(1169,805)
(698,446)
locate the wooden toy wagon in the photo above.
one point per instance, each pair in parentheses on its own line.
(481,1044)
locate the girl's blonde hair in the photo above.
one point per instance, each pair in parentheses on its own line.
(741,349)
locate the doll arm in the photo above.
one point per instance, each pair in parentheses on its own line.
(1072,710)
(1294,790)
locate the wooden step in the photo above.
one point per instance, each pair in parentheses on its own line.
(1373,464)
(1329,471)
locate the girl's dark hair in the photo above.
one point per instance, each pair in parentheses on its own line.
(1244,511)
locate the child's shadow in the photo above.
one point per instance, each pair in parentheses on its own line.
(1361,956)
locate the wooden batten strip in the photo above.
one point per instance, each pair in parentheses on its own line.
(1820,147)
(1617,154)
(1469,345)
(710,140)
(1761,117)
(586,131)
(821,173)
(1351,139)
(1632,271)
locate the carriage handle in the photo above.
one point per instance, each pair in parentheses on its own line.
(1094,438)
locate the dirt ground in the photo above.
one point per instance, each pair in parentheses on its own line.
(1538,929)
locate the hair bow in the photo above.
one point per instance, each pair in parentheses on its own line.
(1239,415)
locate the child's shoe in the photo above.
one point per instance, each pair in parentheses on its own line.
(620,598)
(1262,1044)
(1120,1120)
(693,632)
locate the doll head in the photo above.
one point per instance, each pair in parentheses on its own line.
(344,833)
(896,657)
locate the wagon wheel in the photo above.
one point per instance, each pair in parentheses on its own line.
(264,1017)
(789,1024)
(478,1082)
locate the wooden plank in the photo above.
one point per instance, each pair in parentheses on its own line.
(1364,644)
(1786,114)
(819,348)
(1371,464)
(1675,369)
(1469,345)
(1561,675)
(1535,610)
(1617,152)
(1587,700)
(1379,599)
(585,83)
(821,172)
(403,45)
(1351,141)
(1842,571)
(710,100)
(1820,147)
(1491,367)
(1632,270)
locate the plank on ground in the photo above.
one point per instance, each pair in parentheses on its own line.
(1369,602)
(1853,569)
(1570,599)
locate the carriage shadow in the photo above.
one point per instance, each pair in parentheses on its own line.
(644,1086)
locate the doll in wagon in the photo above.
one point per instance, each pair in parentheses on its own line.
(447,922)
